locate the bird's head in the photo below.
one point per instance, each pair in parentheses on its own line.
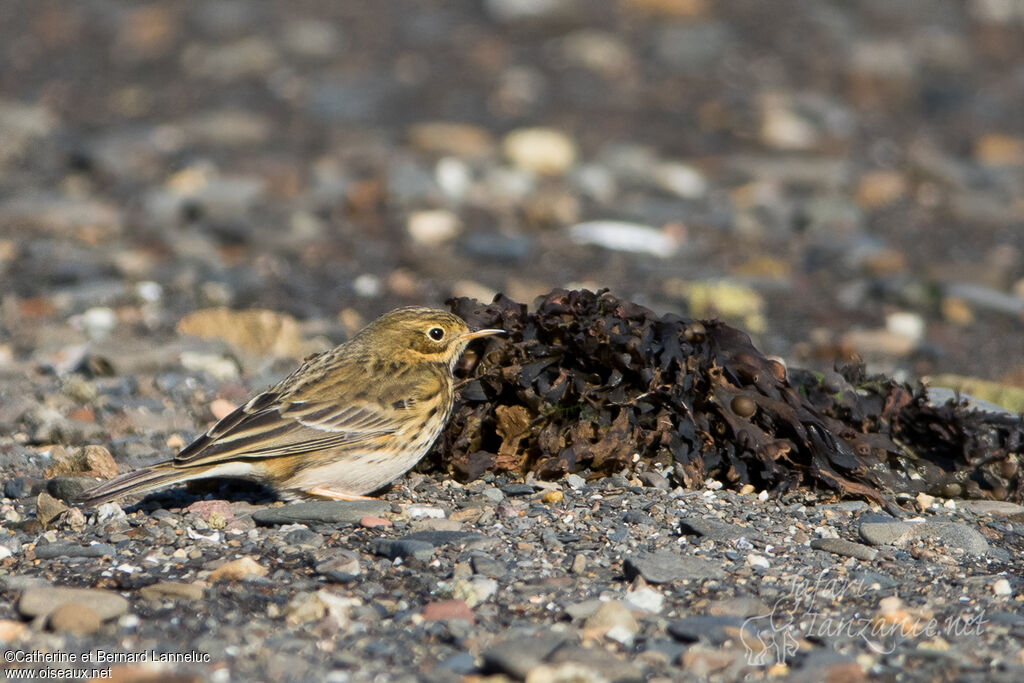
(429,333)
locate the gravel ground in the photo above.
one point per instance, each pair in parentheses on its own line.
(836,178)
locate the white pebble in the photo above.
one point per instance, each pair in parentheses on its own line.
(680,179)
(909,325)
(646,599)
(109,511)
(754,560)
(98,321)
(453,177)
(5,552)
(1002,588)
(623,236)
(367,285)
(425,512)
(149,291)
(432,228)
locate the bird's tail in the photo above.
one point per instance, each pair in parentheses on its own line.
(138,481)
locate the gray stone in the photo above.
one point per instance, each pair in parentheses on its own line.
(52,550)
(392,548)
(841,546)
(886,533)
(321,512)
(68,488)
(516,656)
(989,507)
(488,566)
(665,566)
(714,529)
(951,534)
(37,602)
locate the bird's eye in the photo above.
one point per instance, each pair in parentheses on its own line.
(436,333)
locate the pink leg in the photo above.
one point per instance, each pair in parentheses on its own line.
(335,495)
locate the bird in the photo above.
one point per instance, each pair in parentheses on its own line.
(345,423)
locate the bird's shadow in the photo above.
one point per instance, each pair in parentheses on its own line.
(226,489)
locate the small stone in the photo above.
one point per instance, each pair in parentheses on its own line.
(1002,588)
(321,512)
(579,564)
(445,137)
(613,620)
(425,512)
(172,590)
(758,561)
(553,496)
(845,548)
(238,570)
(394,549)
(52,550)
(432,228)
(12,631)
(646,599)
(714,529)
(885,533)
(518,655)
(485,565)
(473,591)
(666,566)
(41,601)
(74,618)
(540,150)
(444,610)
(371,522)
(623,236)
(48,508)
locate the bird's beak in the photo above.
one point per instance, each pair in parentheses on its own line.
(480,333)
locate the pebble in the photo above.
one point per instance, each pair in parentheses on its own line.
(172,590)
(371,522)
(947,534)
(433,228)
(516,656)
(52,550)
(845,548)
(397,548)
(321,512)
(623,236)
(714,529)
(1002,588)
(41,601)
(446,610)
(645,599)
(543,151)
(241,569)
(49,508)
(425,512)
(74,618)
(665,566)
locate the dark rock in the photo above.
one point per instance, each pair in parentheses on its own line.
(517,656)
(513,490)
(395,548)
(711,629)
(638,517)
(68,488)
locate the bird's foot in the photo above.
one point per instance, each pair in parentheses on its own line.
(335,495)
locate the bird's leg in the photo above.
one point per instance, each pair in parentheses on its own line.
(335,495)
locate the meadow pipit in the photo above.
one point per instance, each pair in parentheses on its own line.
(345,423)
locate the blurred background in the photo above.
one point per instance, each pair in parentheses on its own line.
(837,178)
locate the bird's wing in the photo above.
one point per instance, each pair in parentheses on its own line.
(268,426)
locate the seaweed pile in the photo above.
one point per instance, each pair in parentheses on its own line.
(588,383)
